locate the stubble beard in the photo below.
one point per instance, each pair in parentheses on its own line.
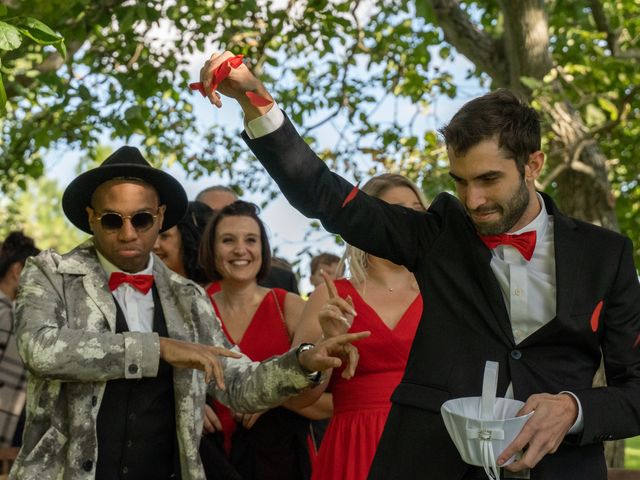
(511,212)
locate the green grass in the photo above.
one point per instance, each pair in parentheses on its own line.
(632,453)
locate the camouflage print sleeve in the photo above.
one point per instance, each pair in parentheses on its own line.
(252,386)
(51,348)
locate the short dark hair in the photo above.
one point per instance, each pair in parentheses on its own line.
(502,115)
(238,208)
(17,247)
(216,188)
(191,229)
(323,259)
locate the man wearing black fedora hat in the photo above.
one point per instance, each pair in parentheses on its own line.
(120,350)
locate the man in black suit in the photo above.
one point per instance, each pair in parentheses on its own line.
(505,277)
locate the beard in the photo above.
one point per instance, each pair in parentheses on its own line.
(510,212)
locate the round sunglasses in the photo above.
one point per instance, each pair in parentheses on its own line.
(141,221)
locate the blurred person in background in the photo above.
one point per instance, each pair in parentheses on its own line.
(324,263)
(178,246)
(14,251)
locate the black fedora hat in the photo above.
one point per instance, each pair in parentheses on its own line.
(126,163)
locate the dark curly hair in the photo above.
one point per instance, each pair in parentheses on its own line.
(17,247)
(191,228)
(239,208)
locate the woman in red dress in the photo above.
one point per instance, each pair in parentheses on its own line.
(235,252)
(387,302)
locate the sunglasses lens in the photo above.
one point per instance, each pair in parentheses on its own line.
(111,221)
(142,221)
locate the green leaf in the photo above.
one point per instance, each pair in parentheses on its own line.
(530,82)
(10,37)
(3,97)
(609,107)
(38,31)
(62,48)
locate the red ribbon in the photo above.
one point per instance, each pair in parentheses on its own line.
(223,72)
(352,194)
(524,242)
(142,283)
(595,316)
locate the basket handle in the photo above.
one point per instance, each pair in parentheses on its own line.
(489,389)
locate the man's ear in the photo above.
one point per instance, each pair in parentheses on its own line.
(534,165)
(90,217)
(161,210)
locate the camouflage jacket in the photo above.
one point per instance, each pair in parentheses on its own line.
(65,323)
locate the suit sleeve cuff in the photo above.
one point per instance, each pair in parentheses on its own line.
(266,124)
(141,354)
(578,425)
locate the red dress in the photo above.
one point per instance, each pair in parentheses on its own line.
(276,446)
(361,405)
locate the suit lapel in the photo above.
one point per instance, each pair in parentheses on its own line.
(84,261)
(491,288)
(569,249)
(176,303)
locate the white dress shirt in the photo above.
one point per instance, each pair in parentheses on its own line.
(136,306)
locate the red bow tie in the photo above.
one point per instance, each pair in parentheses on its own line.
(524,242)
(142,283)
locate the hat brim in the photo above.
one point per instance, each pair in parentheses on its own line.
(77,195)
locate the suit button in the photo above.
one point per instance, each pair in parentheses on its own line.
(87,465)
(516,354)
(125,470)
(133,369)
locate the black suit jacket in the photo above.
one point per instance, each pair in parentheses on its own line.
(465,322)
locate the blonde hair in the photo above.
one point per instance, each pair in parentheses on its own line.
(355,258)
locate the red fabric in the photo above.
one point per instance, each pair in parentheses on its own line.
(266,336)
(524,242)
(351,196)
(142,283)
(361,405)
(223,72)
(213,288)
(595,317)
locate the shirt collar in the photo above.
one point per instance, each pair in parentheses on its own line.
(109,267)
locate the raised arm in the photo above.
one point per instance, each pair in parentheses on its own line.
(388,231)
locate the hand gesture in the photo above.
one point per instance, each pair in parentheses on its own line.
(331,352)
(211,423)
(543,433)
(336,316)
(239,83)
(247,420)
(195,355)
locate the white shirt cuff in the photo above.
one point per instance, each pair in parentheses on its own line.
(578,425)
(266,124)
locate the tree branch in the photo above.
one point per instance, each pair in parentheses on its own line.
(600,18)
(482,50)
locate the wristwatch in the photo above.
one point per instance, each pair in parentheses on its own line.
(313,377)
